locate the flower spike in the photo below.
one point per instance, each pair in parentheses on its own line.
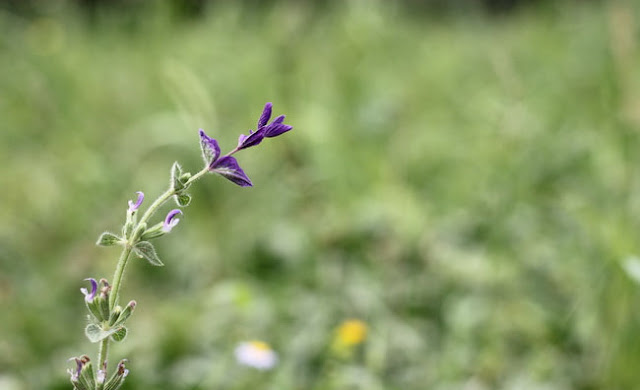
(170,221)
(135,206)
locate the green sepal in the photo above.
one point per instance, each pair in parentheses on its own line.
(138,232)
(183,199)
(94,308)
(179,179)
(146,250)
(153,232)
(95,333)
(86,378)
(108,239)
(119,334)
(115,314)
(114,382)
(126,313)
(127,229)
(103,305)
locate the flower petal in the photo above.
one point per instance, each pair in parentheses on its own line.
(88,296)
(170,221)
(266,114)
(135,206)
(245,141)
(275,129)
(228,167)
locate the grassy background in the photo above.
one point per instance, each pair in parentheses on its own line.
(466,185)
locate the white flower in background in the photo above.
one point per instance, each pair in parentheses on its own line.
(256,354)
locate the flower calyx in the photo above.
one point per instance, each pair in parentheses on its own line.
(82,375)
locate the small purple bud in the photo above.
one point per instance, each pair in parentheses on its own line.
(88,296)
(170,221)
(135,206)
(266,114)
(228,167)
(210,148)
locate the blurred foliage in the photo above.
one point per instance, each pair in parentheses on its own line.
(465,186)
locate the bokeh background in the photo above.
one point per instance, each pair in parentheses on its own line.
(463,178)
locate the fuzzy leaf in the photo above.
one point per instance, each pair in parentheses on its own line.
(95,333)
(108,239)
(183,200)
(146,250)
(119,334)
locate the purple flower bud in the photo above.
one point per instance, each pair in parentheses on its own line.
(263,130)
(210,148)
(228,167)
(88,296)
(266,114)
(134,206)
(170,221)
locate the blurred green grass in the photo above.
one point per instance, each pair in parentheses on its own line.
(466,185)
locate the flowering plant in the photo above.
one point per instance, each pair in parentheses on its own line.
(106,317)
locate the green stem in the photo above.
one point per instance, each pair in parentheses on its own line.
(103,352)
(117,276)
(124,258)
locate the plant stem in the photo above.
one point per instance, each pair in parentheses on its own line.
(103,352)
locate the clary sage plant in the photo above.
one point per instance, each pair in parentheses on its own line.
(106,317)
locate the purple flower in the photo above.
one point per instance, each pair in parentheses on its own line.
(228,167)
(210,148)
(82,362)
(263,130)
(88,296)
(134,206)
(75,373)
(170,221)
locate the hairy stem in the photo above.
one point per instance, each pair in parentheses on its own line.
(103,352)
(124,258)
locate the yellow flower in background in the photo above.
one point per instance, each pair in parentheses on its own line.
(351,332)
(348,335)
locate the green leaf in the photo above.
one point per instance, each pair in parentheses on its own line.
(146,250)
(183,199)
(108,239)
(95,333)
(119,334)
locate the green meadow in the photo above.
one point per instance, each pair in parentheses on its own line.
(467,185)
